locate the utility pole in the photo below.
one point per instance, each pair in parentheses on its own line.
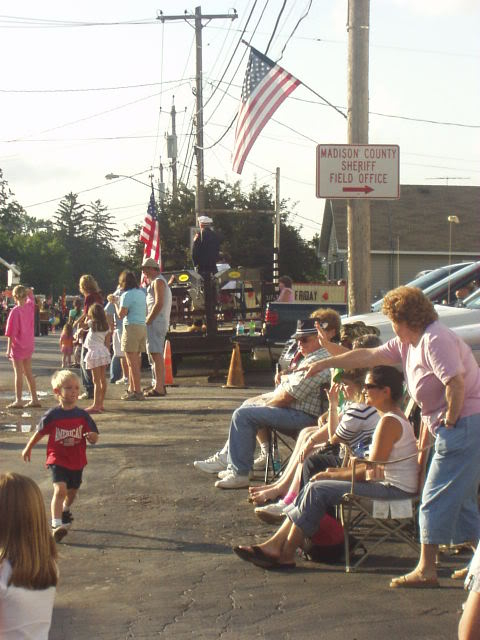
(358,211)
(161,188)
(172,150)
(276,231)
(198,17)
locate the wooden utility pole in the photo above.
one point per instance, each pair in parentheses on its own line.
(198,17)
(358,211)
(276,232)
(174,152)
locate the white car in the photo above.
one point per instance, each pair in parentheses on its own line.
(464,321)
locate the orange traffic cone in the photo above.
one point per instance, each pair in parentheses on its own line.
(167,357)
(235,378)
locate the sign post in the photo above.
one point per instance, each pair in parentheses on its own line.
(365,171)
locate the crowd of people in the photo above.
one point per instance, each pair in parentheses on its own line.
(356,379)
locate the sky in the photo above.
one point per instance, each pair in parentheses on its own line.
(86,90)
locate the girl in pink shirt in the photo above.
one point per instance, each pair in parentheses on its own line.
(20,344)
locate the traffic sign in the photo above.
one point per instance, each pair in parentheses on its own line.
(358,171)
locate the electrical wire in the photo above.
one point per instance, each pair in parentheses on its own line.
(276,25)
(295,28)
(128,86)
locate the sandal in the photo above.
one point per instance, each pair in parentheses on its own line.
(15,405)
(153,393)
(415,583)
(33,405)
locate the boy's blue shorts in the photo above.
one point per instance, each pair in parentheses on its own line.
(71,477)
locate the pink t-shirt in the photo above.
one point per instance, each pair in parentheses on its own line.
(439,356)
(20,329)
(286,295)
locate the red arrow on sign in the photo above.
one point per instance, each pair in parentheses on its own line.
(365,189)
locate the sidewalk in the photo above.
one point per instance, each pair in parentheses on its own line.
(149,554)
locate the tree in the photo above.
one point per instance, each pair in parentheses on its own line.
(101,227)
(44,262)
(13,218)
(70,219)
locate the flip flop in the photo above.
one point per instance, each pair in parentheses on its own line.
(259,558)
(15,405)
(153,393)
(459,574)
(33,405)
(417,583)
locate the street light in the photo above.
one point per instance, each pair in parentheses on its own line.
(114,176)
(451,221)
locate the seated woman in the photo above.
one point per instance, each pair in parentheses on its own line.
(318,435)
(354,426)
(393,439)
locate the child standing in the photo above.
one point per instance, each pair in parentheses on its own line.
(66,345)
(67,427)
(98,355)
(20,344)
(28,571)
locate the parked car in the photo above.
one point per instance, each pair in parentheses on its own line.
(428,278)
(443,292)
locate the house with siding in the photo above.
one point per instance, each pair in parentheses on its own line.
(408,235)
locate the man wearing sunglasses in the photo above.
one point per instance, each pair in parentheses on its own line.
(295,404)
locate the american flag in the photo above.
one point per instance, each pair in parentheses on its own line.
(265,87)
(150,233)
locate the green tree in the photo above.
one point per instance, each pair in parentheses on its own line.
(44,262)
(70,219)
(101,227)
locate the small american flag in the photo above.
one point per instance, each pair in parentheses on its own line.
(265,87)
(150,233)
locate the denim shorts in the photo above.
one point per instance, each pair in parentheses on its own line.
(71,477)
(156,333)
(449,509)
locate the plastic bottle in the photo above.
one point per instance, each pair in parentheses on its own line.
(251,328)
(240,328)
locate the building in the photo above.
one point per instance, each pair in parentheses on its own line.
(408,235)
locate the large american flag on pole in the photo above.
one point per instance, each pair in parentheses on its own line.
(265,87)
(150,233)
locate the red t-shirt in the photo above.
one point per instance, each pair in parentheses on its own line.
(90,299)
(66,429)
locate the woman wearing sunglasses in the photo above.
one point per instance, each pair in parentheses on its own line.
(393,439)
(444,380)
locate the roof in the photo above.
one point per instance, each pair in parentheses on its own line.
(418,219)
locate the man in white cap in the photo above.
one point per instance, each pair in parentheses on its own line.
(159,304)
(205,251)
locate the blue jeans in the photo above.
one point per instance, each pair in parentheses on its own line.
(248,419)
(315,498)
(116,372)
(449,508)
(85,373)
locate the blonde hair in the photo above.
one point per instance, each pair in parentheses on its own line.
(25,537)
(60,377)
(89,284)
(67,329)
(20,292)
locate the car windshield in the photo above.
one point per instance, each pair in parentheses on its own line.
(473,300)
(427,280)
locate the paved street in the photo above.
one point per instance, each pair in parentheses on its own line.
(149,554)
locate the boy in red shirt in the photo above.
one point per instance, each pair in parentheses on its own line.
(68,427)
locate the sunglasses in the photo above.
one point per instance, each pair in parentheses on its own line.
(304,340)
(368,386)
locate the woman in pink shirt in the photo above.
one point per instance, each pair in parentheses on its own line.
(285,288)
(20,344)
(444,380)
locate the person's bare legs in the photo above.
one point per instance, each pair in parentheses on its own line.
(133,359)
(124,365)
(283,544)
(260,494)
(99,388)
(18,375)
(59,495)
(426,568)
(158,372)
(32,385)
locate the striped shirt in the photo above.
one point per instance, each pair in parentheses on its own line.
(306,391)
(357,424)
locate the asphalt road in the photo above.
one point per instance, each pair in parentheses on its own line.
(149,555)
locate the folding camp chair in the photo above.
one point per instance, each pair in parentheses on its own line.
(274,466)
(373,524)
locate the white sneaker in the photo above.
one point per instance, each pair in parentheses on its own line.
(227,471)
(122,381)
(214,464)
(260,462)
(271,513)
(233,481)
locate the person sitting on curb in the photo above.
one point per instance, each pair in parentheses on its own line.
(295,404)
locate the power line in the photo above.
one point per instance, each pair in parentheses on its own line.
(282,8)
(295,28)
(86,89)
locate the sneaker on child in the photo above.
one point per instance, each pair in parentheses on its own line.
(271,513)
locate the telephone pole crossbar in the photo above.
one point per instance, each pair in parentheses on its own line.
(198,17)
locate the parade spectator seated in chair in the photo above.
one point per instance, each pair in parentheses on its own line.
(295,404)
